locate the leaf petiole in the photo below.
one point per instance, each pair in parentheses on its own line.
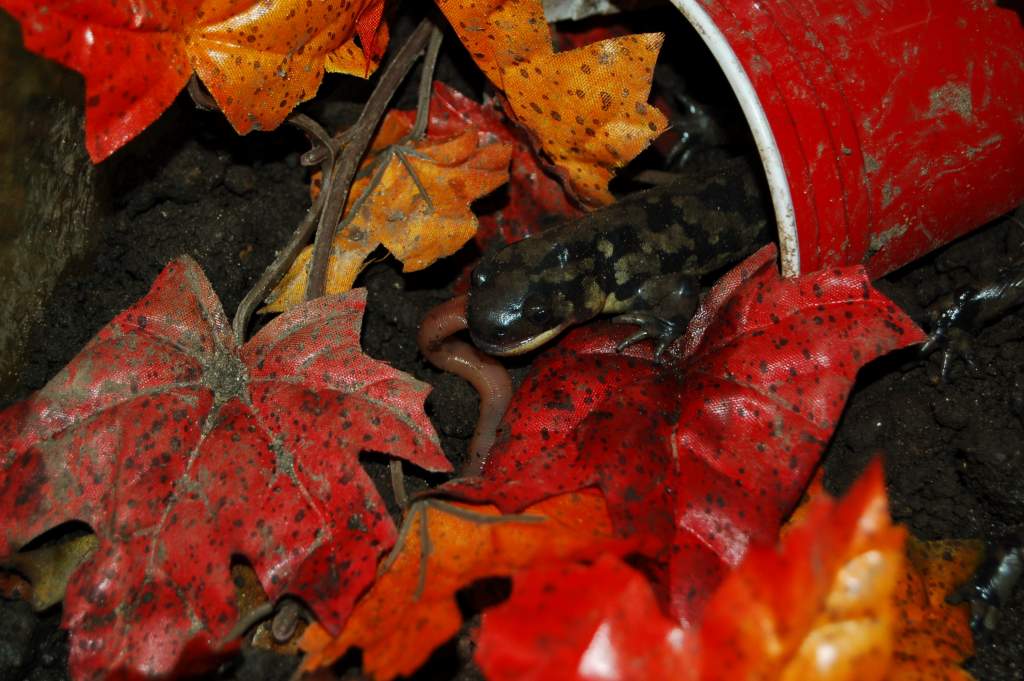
(345,167)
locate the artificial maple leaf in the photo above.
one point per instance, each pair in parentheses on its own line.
(182,450)
(818,607)
(707,453)
(411,608)
(49,568)
(586,108)
(533,198)
(414,202)
(821,606)
(258,60)
(571,621)
(933,637)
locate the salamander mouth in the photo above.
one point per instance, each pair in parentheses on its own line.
(518,347)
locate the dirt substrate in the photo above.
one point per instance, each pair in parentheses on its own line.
(953,450)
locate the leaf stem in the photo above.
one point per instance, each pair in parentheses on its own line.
(400,155)
(326,148)
(426,85)
(346,165)
(338,169)
(398,483)
(285,257)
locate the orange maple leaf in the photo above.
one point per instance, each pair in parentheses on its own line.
(821,606)
(411,608)
(258,59)
(932,636)
(835,601)
(586,108)
(414,201)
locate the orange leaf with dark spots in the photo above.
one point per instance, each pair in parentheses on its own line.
(499,33)
(533,199)
(411,608)
(414,202)
(257,59)
(586,108)
(934,637)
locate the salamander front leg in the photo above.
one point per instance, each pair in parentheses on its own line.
(666,320)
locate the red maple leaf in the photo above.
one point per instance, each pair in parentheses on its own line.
(570,621)
(820,605)
(182,450)
(258,59)
(705,454)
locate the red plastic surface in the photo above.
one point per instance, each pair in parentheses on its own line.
(900,124)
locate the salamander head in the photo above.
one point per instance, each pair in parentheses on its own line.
(526,294)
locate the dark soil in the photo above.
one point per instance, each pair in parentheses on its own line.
(953,450)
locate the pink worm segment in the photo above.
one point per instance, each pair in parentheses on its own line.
(486,374)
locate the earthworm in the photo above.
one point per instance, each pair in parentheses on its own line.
(486,374)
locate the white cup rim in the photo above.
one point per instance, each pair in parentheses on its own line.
(767,148)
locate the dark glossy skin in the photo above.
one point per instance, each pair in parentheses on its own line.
(969,310)
(640,257)
(993,583)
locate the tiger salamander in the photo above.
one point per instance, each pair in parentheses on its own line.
(641,257)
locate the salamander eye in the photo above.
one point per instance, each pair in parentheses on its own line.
(479,277)
(538,315)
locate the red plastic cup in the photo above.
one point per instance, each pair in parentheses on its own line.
(886,127)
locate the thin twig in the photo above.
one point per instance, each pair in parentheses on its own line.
(400,155)
(285,257)
(377,168)
(326,147)
(347,164)
(481,518)
(403,536)
(398,483)
(426,85)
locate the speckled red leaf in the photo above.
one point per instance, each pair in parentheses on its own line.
(705,453)
(569,621)
(258,59)
(821,606)
(533,198)
(182,450)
